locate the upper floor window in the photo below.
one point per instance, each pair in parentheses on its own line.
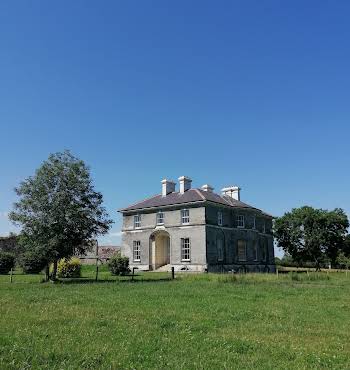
(264,227)
(254,223)
(160,218)
(136,250)
(220,247)
(185,216)
(242,250)
(185,249)
(220,218)
(240,221)
(137,221)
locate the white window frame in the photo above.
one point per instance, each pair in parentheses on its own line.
(185,249)
(254,223)
(220,218)
(244,259)
(136,251)
(185,216)
(137,221)
(240,221)
(264,227)
(160,218)
(220,248)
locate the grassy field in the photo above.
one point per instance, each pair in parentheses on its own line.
(194,322)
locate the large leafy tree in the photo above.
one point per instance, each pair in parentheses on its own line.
(58,209)
(309,234)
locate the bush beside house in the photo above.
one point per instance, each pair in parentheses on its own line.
(119,265)
(69,268)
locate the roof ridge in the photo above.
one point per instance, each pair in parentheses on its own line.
(200,194)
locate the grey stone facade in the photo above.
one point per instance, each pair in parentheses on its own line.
(243,241)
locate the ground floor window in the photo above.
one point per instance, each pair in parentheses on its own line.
(185,249)
(220,247)
(255,250)
(242,250)
(264,250)
(137,251)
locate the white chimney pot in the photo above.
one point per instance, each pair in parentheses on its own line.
(232,191)
(168,186)
(185,184)
(208,188)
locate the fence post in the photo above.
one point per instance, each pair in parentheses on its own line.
(173,272)
(277,271)
(11,275)
(96,251)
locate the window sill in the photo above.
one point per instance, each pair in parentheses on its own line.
(185,260)
(136,260)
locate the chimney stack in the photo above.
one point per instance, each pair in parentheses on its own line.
(168,187)
(232,191)
(185,183)
(207,188)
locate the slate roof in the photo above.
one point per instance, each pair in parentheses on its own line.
(190,196)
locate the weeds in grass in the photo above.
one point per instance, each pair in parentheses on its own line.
(314,276)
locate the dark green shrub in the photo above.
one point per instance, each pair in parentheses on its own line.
(7,262)
(69,268)
(119,265)
(32,262)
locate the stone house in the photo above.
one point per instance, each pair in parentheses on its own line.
(195,229)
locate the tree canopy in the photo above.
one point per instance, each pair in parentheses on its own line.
(309,234)
(58,210)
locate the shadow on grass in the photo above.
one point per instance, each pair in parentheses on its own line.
(85,280)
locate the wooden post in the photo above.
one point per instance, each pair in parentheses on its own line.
(133,273)
(277,271)
(96,276)
(11,275)
(173,272)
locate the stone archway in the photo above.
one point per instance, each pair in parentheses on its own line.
(159,252)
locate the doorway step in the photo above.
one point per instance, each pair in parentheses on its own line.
(164,268)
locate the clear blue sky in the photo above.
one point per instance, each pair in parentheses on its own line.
(253,93)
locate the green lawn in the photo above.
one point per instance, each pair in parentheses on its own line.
(194,322)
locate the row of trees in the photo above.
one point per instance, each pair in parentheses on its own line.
(314,236)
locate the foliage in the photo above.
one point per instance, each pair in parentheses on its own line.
(69,268)
(309,234)
(119,265)
(59,210)
(32,261)
(7,262)
(343,260)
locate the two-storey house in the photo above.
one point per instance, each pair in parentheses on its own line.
(197,230)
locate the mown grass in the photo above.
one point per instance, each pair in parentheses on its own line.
(203,321)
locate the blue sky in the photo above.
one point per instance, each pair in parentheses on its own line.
(253,93)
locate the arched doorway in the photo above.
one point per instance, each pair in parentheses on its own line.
(159,251)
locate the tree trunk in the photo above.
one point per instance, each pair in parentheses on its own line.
(54,271)
(47,272)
